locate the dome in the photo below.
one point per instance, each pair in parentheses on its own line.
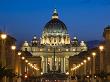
(55,25)
(55,32)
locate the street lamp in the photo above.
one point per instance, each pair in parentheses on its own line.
(13,47)
(82,63)
(26,61)
(85,61)
(93,54)
(23,58)
(19,53)
(101,47)
(29,63)
(3,36)
(88,58)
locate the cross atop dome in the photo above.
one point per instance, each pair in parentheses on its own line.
(55,14)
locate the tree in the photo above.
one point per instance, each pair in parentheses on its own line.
(2,69)
(6,72)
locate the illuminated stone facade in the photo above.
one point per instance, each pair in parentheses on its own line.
(106,35)
(55,46)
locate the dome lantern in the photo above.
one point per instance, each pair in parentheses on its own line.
(55,14)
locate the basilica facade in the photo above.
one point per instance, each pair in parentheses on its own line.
(54,46)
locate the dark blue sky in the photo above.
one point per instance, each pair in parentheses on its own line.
(85,19)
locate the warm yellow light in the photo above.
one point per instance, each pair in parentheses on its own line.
(67,73)
(88,58)
(36,68)
(71,69)
(26,76)
(26,61)
(84,61)
(87,76)
(30,64)
(79,65)
(22,58)
(94,54)
(41,73)
(19,53)
(3,36)
(101,48)
(75,67)
(13,47)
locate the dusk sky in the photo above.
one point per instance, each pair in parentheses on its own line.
(85,19)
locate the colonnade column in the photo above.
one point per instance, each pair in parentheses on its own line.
(43,65)
(57,64)
(46,64)
(66,64)
(50,64)
(62,65)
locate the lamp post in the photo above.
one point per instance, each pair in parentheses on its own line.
(93,69)
(89,65)
(26,62)
(89,68)
(101,48)
(3,55)
(13,48)
(19,66)
(85,61)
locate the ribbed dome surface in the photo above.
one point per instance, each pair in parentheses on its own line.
(55,26)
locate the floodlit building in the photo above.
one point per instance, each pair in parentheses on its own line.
(54,46)
(106,35)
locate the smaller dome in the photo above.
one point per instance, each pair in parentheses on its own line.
(34,41)
(26,43)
